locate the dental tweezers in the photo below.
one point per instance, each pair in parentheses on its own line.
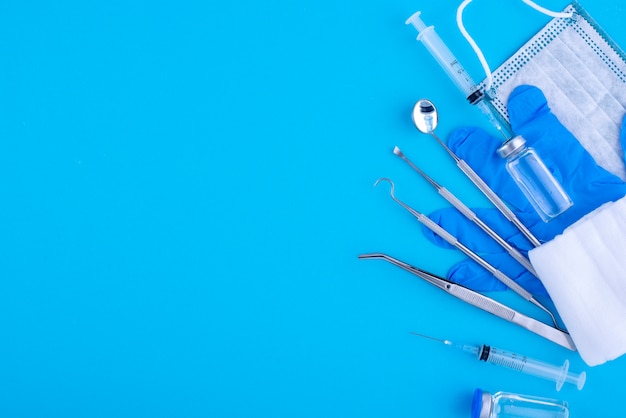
(483,302)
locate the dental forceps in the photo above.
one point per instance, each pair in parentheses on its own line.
(450,239)
(483,302)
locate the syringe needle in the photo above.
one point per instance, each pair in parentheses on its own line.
(446,342)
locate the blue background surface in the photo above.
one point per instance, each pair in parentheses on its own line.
(186,187)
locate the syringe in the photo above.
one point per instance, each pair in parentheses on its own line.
(456,72)
(521,363)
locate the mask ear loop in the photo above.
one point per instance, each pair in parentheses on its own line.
(473,44)
(546,11)
(476,48)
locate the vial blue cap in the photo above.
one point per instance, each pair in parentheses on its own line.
(477,403)
(482,403)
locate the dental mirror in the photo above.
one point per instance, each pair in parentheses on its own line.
(425,116)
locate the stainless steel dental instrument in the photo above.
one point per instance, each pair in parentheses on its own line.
(469,214)
(482,302)
(450,239)
(425,119)
(519,362)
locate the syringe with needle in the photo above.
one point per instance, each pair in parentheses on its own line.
(521,363)
(456,72)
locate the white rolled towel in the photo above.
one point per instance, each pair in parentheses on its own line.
(584,271)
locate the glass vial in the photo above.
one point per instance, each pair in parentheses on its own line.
(511,405)
(534,179)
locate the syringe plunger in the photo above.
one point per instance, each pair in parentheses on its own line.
(445,58)
(558,374)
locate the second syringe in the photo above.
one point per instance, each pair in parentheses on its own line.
(521,363)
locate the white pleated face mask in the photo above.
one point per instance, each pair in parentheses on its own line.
(582,73)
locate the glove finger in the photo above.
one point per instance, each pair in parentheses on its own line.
(532,118)
(526,106)
(470,235)
(470,274)
(479,150)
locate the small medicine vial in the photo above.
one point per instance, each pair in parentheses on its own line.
(534,179)
(511,405)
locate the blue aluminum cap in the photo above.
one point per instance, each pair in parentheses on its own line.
(481,404)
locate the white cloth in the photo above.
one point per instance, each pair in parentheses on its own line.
(584,271)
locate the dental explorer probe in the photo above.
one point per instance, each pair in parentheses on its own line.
(482,302)
(469,214)
(450,239)
(425,119)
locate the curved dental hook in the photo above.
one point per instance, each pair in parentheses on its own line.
(387,180)
(398,201)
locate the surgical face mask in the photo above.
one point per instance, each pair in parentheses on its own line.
(582,73)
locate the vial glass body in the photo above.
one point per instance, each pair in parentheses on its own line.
(543,191)
(512,405)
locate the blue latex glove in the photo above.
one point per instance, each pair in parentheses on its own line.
(587,184)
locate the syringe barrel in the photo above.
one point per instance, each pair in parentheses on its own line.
(443,55)
(558,374)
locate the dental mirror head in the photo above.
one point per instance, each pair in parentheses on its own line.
(425,116)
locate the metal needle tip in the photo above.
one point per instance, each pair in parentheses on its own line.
(446,342)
